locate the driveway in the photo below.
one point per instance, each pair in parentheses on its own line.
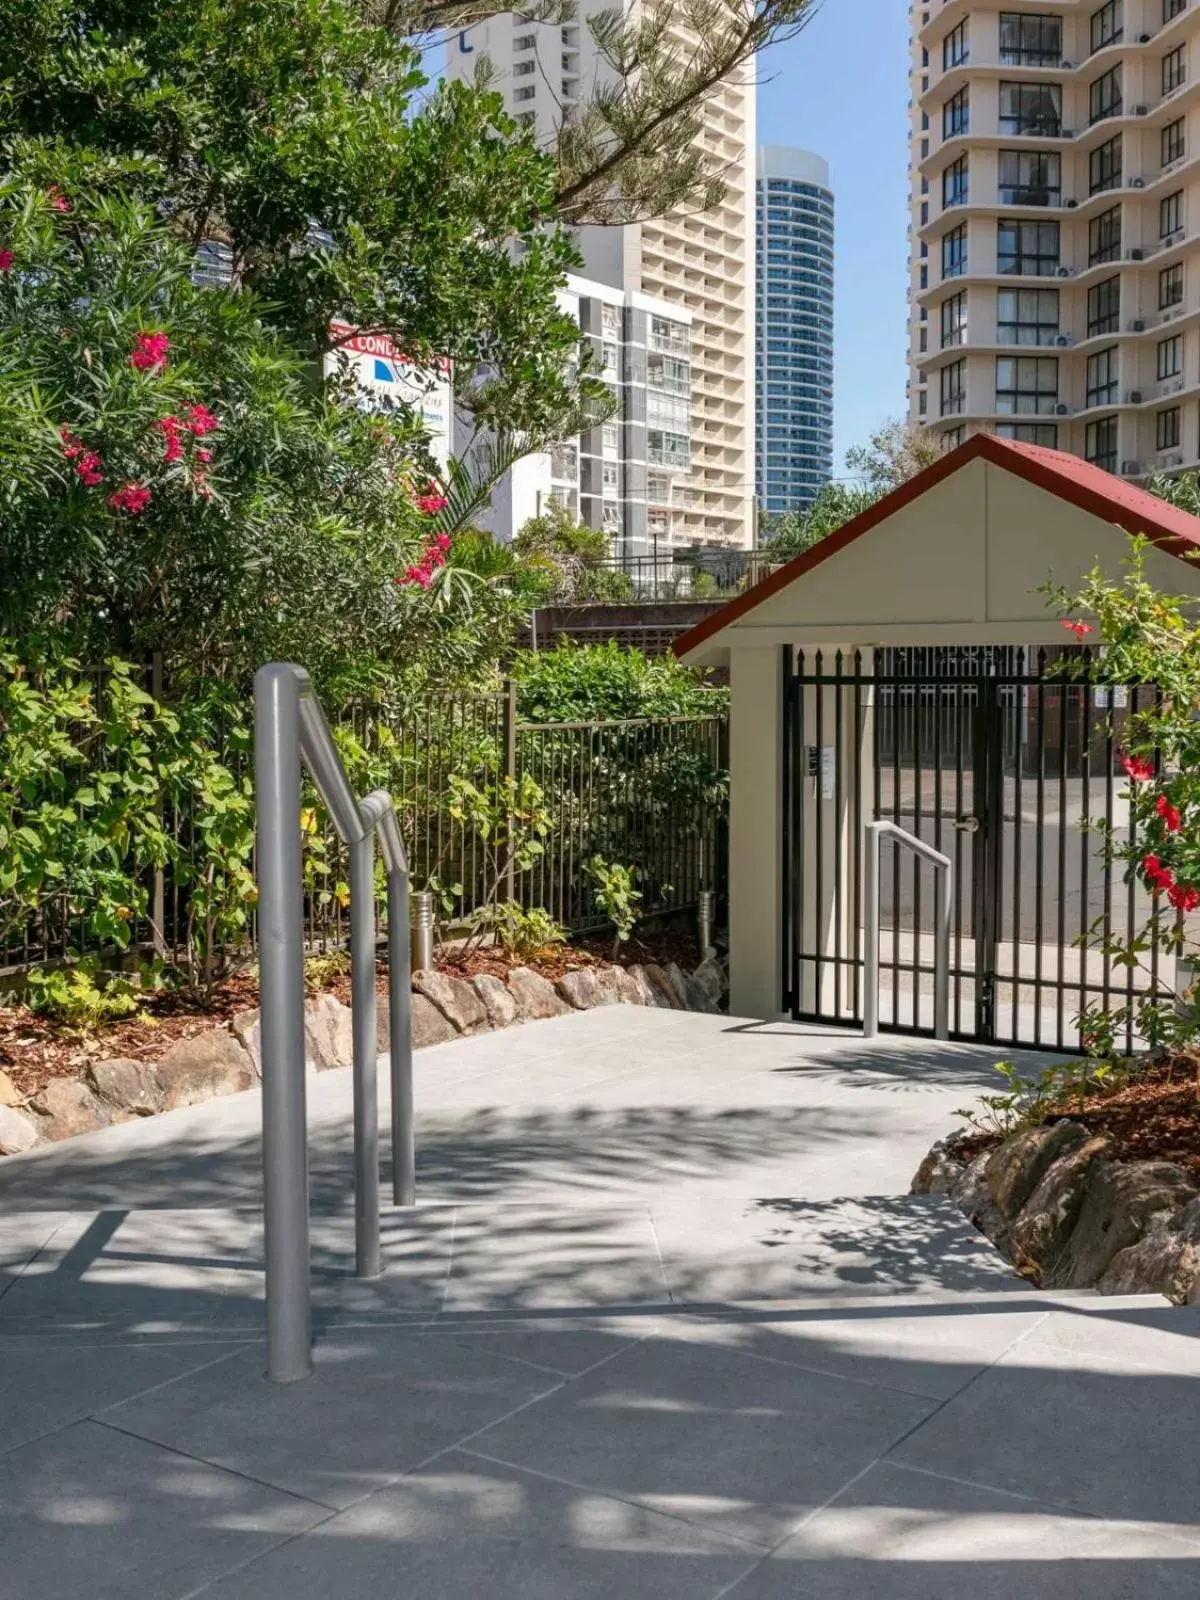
(664,1322)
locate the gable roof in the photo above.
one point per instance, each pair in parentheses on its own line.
(1069,477)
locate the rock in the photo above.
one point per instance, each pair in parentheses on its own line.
(679,984)
(663,985)
(328,1033)
(1120,1204)
(938,1173)
(1019,1164)
(973,1198)
(535,995)
(650,993)
(247,1030)
(9,1094)
(125,1087)
(1046,1220)
(18,1132)
(581,989)
(201,1068)
(454,998)
(500,1006)
(709,977)
(429,1026)
(1166,1261)
(633,991)
(698,996)
(66,1107)
(609,984)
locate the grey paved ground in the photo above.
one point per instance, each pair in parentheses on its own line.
(666,1323)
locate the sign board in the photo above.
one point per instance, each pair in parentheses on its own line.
(379,368)
(822,763)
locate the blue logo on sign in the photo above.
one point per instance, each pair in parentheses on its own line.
(383,373)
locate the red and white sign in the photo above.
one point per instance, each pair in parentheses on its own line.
(380,369)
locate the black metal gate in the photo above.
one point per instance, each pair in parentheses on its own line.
(1006,766)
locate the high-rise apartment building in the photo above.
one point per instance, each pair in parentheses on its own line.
(1056,226)
(701,263)
(793,388)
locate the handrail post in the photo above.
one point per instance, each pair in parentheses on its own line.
(871,918)
(400,1049)
(281,981)
(366,1051)
(941,958)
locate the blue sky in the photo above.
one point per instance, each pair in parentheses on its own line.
(840,88)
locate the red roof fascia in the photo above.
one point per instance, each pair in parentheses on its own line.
(1070,478)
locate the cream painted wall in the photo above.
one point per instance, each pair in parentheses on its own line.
(755,721)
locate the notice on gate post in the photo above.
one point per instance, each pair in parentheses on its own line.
(822,761)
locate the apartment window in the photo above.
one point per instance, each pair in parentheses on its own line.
(525,92)
(1171,145)
(1026,384)
(1030,178)
(953,437)
(525,118)
(524,41)
(1027,248)
(1108,24)
(1172,8)
(1170,286)
(610,478)
(611,436)
(668,449)
(522,69)
(1170,214)
(1104,307)
(1031,108)
(1043,433)
(1104,166)
(954,321)
(1100,443)
(1169,357)
(1166,429)
(924,212)
(954,183)
(1102,378)
(1030,41)
(1026,316)
(954,47)
(1104,236)
(1174,70)
(922,403)
(1104,95)
(956,114)
(954,252)
(953,388)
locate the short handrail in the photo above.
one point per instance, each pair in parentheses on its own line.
(289,725)
(877,832)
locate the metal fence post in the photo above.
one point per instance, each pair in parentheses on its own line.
(510,769)
(366,1051)
(281,979)
(871,924)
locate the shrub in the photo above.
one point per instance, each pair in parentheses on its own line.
(576,683)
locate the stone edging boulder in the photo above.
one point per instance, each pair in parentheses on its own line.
(228,1058)
(1068,1215)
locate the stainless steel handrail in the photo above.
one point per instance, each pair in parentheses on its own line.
(289,725)
(876,833)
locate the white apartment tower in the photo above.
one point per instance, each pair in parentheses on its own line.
(1055,231)
(702,493)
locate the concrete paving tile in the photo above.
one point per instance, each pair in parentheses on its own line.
(1145,1330)
(897,1535)
(741,1447)
(565,1351)
(378,1405)
(1075,1431)
(91,1512)
(469,1527)
(26,1234)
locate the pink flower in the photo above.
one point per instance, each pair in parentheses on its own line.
(1183,897)
(6,260)
(88,467)
(1079,629)
(431,504)
(443,541)
(1161,877)
(203,455)
(200,420)
(71,446)
(1138,769)
(169,428)
(131,497)
(57,199)
(149,353)
(1169,813)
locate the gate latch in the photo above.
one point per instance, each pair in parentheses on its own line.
(967,824)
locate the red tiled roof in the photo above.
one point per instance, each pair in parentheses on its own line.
(1070,478)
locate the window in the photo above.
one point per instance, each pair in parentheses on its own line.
(1026,384)
(1171,144)
(1100,443)
(1104,96)
(1026,316)
(1166,429)
(954,183)
(1043,433)
(525,41)
(525,92)
(1030,178)
(1031,108)
(1104,307)
(525,118)
(1170,286)
(1169,362)
(1104,166)
(1170,214)
(1174,70)
(1028,248)
(954,388)
(1172,8)
(611,436)
(1030,41)
(610,478)
(668,449)
(1107,24)
(954,252)
(1102,378)
(954,321)
(522,69)
(564,461)
(953,437)
(954,47)
(956,114)
(1104,236)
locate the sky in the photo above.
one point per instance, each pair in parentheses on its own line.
(840,89)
